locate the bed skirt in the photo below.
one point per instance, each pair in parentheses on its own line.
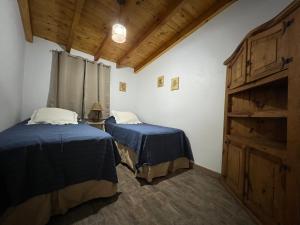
(39,209)
(147,172)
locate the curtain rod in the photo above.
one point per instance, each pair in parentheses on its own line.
(79,57)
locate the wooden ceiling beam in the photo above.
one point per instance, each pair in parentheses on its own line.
(75,22)
(99,51)
(161,20)
(107,37)
(25,15)
(198,22)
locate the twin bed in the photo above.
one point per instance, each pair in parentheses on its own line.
(150,150)
(51,168)
(47,169)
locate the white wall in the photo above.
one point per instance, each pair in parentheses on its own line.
(37,78)
(198,107)
(12,44)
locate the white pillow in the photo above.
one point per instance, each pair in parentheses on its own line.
(125,117)
(53,116)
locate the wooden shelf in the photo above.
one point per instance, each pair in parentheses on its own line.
(267,80)
(258,114)
(271,147)
(261,123)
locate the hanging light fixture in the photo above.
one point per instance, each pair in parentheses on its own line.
(118,30)
(118,33)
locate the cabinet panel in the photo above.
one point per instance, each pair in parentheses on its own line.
(235,167)
(266,52)
(265,185)
(236,71)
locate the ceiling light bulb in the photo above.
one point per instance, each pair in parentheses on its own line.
(118,33)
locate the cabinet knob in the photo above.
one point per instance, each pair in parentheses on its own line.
(227,141)
(248,62)
(284,168)
(287,24)
(286,61)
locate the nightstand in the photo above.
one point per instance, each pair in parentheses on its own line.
(99,125)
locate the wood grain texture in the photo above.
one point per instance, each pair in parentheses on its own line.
(292,213)
(103,43)
(185,32)
(237,69)
(262,117)
(52,20)
(161,20)
(25,15)
(85,25)
(285,13)
(189,197)
(76,18)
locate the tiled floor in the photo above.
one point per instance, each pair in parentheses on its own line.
(189,198)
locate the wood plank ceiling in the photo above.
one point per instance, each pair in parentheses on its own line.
(153,26)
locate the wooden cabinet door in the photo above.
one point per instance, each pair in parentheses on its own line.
(235,167)
(265,186)
(267,52)
(236,70)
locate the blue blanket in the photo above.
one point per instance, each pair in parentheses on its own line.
(37,159)
(152,144)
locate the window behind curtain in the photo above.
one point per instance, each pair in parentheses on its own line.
(76,84)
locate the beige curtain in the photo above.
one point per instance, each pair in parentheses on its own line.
(76,84)
(97,88)
(104,88)
(90,87)
(53,90)
(70,83)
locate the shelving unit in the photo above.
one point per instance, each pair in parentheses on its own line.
(256,142)
(261,151)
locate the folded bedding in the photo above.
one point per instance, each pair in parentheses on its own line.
(41,158)
(152,144)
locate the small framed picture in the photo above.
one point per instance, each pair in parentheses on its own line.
(122,86)
(160,81)
(175,84)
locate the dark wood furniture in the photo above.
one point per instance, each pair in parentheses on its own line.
(261,153)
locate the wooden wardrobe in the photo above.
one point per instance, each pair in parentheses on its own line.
(261,151)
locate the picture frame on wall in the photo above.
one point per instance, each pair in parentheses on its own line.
(122,86)
(160,81)
(175,83)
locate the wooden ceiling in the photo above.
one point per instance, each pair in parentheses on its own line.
(153,26)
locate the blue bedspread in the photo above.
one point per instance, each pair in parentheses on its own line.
(152,144)
(37,159)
